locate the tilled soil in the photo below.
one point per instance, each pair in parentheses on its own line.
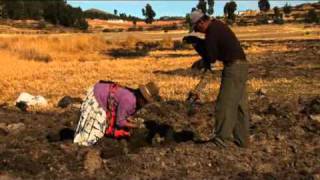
(284,141)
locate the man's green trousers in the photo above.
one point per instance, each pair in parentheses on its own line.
(232,119)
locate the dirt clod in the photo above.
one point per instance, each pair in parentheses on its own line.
(92,161)
(261,92)
(315,117)
(265,168)
(4,176)
(16,127)
(66,101)
(3,132)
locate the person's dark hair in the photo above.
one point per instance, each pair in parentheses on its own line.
(141,100)
(205,17)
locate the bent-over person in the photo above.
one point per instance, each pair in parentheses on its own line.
(108,108)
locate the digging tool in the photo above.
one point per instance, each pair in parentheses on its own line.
(194,95)
(199,45)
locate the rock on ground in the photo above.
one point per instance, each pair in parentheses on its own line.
(16,127)
(93,161)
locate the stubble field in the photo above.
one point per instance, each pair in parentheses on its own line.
(283,90)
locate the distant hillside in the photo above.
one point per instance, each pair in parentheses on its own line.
(93,10)
(171,18)
(306,12)
(100,14)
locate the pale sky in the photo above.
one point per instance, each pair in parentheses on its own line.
(169,7)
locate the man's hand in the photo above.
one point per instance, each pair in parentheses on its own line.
(192,97)
(139,122)
(202,65)
(206,65)
(191,39)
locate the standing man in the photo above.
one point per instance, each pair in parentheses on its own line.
(220,43)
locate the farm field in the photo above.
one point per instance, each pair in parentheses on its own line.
(284,101)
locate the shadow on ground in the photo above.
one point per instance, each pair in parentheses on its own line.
(187,72)
(174,55)
(155,134)
(127,53)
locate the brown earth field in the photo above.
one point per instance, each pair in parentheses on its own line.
(284,101)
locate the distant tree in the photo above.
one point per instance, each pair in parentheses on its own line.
(202,5)
(14,9)
(229,9)
(123,16)
(143,12)
(71,17)
(4,9)
(264,5)
(56,12)
(133,18)
(82,24)
(115,12)
(287,8)
(277,16)
(33,9)
(188,21)
(59,12)
(171,18)
(210,6)
(193,9)
(149,13)
(276,12)
(206,6)
(51,11)
(312,17)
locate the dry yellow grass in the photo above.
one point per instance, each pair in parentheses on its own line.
(68,74)
(57,48)
(77,61)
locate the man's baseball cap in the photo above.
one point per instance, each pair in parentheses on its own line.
(195,16)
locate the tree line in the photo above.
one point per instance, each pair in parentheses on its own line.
(98,14)
(206,6)
(57,12)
